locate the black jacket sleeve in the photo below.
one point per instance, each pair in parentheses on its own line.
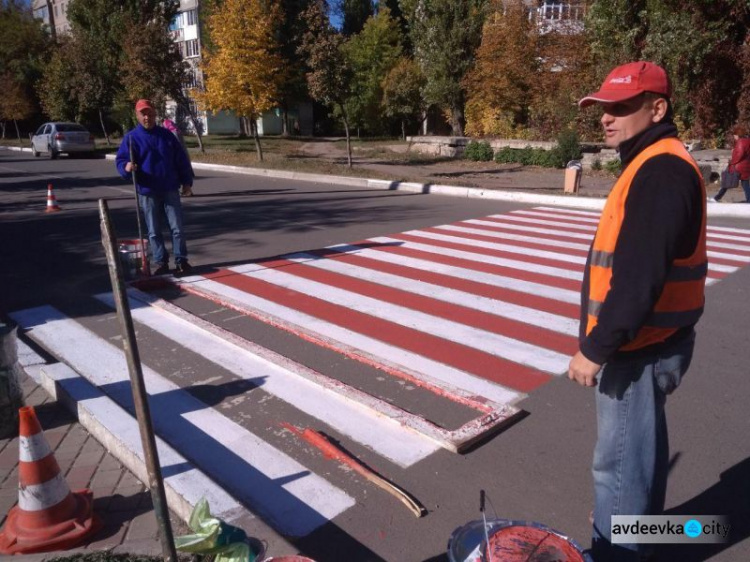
(663,215)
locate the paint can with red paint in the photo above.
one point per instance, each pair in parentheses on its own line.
(131,257)
(512,541)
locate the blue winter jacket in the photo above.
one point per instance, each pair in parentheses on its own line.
(162,163)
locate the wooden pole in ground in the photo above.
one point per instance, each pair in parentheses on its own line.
(156,482)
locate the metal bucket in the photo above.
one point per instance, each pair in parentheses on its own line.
(131,257)
(512,541)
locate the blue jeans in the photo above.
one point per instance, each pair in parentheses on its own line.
(746,188)
(155,207)
(631,458)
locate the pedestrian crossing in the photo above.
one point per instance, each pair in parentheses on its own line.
(483,311)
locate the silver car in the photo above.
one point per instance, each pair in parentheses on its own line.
(54,138)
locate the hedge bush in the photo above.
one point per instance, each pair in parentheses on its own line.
(529,157)
(478,151)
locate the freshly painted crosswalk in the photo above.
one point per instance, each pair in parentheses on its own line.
(482,311)
(493,298)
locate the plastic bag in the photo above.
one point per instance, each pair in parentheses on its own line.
(212,536)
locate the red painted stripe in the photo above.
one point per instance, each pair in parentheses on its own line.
(521,243)
(725,261)
(713,248)
(531,276)
(37,472)
(479,363)
(453,312)
(472,287)
(551,217)
(531,259)
(498,227)
(529,222)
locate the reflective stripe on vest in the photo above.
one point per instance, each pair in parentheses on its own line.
(681,301)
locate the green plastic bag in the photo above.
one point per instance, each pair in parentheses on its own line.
(212,536)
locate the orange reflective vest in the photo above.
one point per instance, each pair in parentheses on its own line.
(681,301)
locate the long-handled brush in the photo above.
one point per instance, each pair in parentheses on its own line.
(145,268)
(488,558)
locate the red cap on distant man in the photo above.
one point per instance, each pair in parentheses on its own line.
(630,80)
(143,104)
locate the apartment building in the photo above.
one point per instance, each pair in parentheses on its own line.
(53,13)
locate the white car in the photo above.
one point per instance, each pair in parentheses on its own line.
(54,138)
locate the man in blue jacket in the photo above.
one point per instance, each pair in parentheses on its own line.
(161,169)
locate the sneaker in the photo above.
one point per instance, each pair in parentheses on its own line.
(183,268)
(161,269)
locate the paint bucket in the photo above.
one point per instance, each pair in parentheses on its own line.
(512,541)
(130,257)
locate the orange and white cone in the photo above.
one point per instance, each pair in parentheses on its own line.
(52,206)
(48,516)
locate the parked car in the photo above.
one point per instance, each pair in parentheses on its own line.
(54,138)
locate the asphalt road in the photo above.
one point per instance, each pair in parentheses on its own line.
(538,469)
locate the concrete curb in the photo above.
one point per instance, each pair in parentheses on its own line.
(573,201)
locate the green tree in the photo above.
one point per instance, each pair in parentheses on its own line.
(354,14)
(292,84)
(403,93)
(330,76)
(14,104)
(244,66)
(500,86)
(445,35)
(57,90)
(23,49)
(371,53)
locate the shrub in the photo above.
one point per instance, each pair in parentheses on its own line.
(596,165)
(530,157)
(613,167)
(478,151)
(569,146)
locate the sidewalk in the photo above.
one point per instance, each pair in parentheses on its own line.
(121,501)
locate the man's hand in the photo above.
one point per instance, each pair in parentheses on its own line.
(582,370)
(130,166)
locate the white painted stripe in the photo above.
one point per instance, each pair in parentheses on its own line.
(504,309)
(517,237)
(36,497)
(294,499)
(744,231)
(530,287)
(531,252)
(386,437)
(557,215)
(118,431)
(494,344)
(723,236)
(389,355)
(33,447)
(595,214)
(542,222)
(729,246)
(532,229)
(482,258)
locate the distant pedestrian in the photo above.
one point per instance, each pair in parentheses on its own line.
(161,167)
(172,127)
(739,162)
(641,297)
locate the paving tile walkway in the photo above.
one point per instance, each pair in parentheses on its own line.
(122,502)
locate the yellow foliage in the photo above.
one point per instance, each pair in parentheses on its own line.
(244,69)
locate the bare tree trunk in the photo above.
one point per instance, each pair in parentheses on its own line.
(457,120)
(284,120)
(17,131)
(104,129)
(254,128)
(197,129)
(403,129)
(2,124)
(348,136)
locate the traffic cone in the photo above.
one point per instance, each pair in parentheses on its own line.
(52,206)
(48,516)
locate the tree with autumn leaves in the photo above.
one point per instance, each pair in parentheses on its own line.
(243,68)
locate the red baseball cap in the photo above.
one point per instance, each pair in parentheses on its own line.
(143,104)
(628,81)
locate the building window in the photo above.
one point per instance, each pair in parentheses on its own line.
(191,48)
(174,25)
(191,17)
